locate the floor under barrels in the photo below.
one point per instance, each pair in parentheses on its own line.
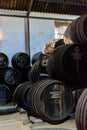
(18,121)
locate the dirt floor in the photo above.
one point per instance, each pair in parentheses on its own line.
(18,121)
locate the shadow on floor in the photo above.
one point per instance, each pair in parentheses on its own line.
(52,129)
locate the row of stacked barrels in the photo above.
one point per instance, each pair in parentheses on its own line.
(38,70)
(51,74)
(10,77)
(45,99)
(67,63)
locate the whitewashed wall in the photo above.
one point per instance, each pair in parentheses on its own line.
(11,36)
(41,31)
(12,33)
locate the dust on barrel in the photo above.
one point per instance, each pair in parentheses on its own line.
(21,60)
(12,76)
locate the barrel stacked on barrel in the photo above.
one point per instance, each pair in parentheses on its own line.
(68,63)
(45,99)
(12,76)
(54,76)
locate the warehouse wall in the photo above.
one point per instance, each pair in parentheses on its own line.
(11,36)
(41,31)
(12,33)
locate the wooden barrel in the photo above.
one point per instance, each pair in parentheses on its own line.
(25,74)
(21,60)
(12,76)
(77,31)
(5,94)
(34,72)
(37,72)
(51,100)
(76,95)
(20,94)
(36,57)
(3,60)
(2,71)
(81,112)
(68,63)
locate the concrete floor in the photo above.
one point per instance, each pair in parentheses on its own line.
(16,121)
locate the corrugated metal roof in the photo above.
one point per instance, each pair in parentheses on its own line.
(15,4)
(72,7)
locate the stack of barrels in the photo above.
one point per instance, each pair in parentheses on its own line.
(49,96)
(46,99)
(38,70)
(5,94)
(21,62)
(39,60)
(11,77)
(68,63)
(77,31)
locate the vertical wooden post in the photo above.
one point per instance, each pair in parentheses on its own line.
(27,32)
(27,36)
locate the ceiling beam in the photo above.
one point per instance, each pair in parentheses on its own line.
(79,3)
(30,6)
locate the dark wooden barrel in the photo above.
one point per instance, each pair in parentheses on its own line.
(76,95)
(20,94)
(5,94)
(21,60)
(34,72)
(12,76)
(68,63)
(37,72)
(77,31)
(81,112)
(51,100)
(36,57)
(3,60)
(25,74)
(2,71)
(3,65)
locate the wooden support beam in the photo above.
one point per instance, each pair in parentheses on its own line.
(27,36)
(30,6)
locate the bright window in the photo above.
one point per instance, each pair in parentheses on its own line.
(60,27)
